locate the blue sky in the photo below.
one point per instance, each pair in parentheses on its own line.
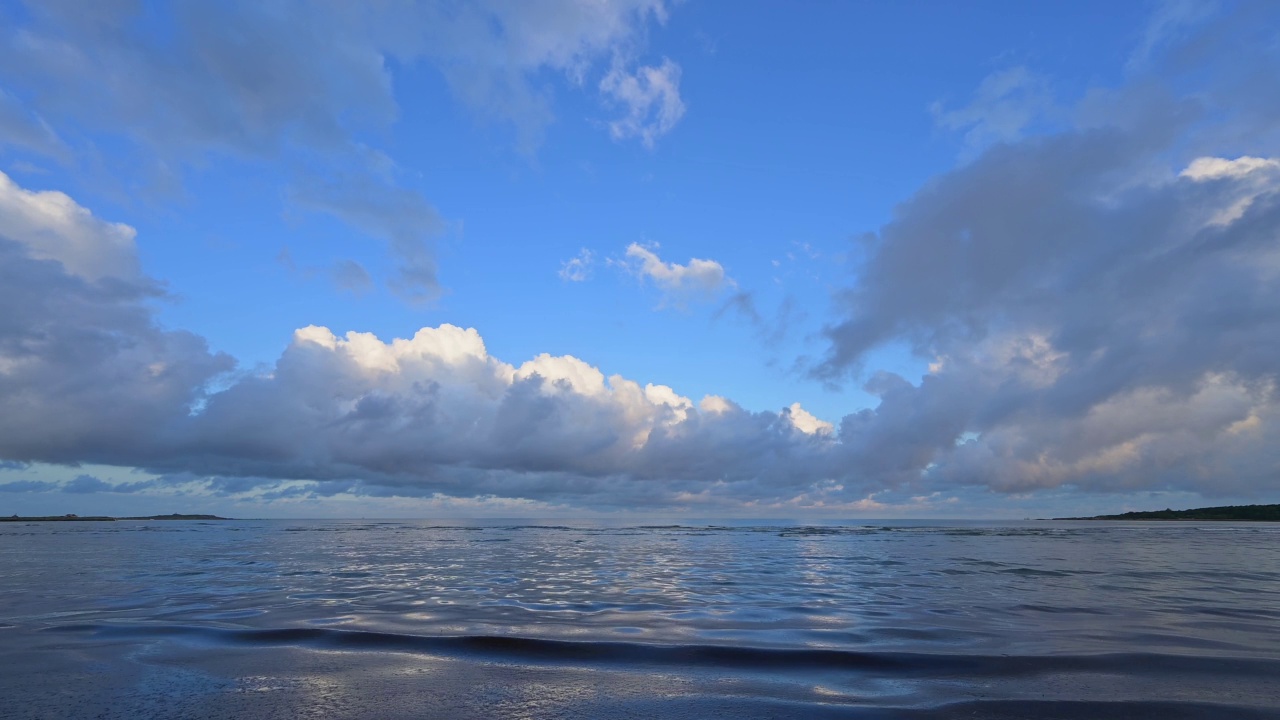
(957,235)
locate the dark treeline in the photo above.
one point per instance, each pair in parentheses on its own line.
(1225,512)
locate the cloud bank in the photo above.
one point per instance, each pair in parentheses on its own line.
(87,376)
(1133,347)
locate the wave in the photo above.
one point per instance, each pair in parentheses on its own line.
(1071,710)
(729,657)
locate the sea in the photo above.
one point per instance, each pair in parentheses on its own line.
(520,619)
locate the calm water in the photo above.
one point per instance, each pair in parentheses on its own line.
(419,619)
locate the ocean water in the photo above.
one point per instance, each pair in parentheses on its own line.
(409,619)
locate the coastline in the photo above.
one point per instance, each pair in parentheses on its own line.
(105,518)
(1224,513)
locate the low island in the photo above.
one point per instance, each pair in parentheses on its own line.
(71,517)
(1263,513)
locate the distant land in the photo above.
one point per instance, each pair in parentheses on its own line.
(103,518)
(1269,513)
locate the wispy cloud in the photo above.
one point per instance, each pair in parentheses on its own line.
(651,97)
(698,279)
(578,268)
(1006,104)
(305,86)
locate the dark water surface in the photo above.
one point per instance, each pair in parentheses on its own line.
(328,619)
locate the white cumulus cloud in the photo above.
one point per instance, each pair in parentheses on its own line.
(806,422)
(52,226)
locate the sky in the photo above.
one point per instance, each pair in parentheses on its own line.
(522,258)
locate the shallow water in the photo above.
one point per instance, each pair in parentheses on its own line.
(419,619)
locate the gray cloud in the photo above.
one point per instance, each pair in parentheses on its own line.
(363,194)
(85,373)
(88,485)
(351,276)
(27,486)
(770,331)
(24,128)
(1101,306)
(1004,107)
(346,275)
